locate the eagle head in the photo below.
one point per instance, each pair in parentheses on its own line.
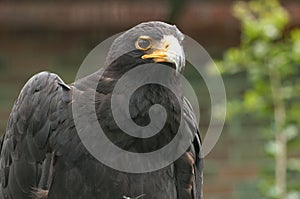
(149,42)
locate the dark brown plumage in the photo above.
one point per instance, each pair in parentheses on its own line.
(41,153)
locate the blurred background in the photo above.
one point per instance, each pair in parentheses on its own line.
(257,155)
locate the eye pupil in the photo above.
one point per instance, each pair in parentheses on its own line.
(144,43)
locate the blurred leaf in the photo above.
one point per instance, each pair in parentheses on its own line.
(291,132)
(294,164)
(253,101)
(293,195)
(271,148)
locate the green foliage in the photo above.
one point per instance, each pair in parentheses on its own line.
(269,53)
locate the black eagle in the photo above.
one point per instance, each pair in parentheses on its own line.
(43,157)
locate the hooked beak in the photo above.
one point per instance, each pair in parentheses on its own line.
(168,50)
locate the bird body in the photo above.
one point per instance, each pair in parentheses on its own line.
(42,155)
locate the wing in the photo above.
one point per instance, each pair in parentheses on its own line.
(189,167)
(25,152)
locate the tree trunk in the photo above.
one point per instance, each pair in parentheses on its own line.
(280,138)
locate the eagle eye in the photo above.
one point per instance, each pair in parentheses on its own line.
(143,43)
